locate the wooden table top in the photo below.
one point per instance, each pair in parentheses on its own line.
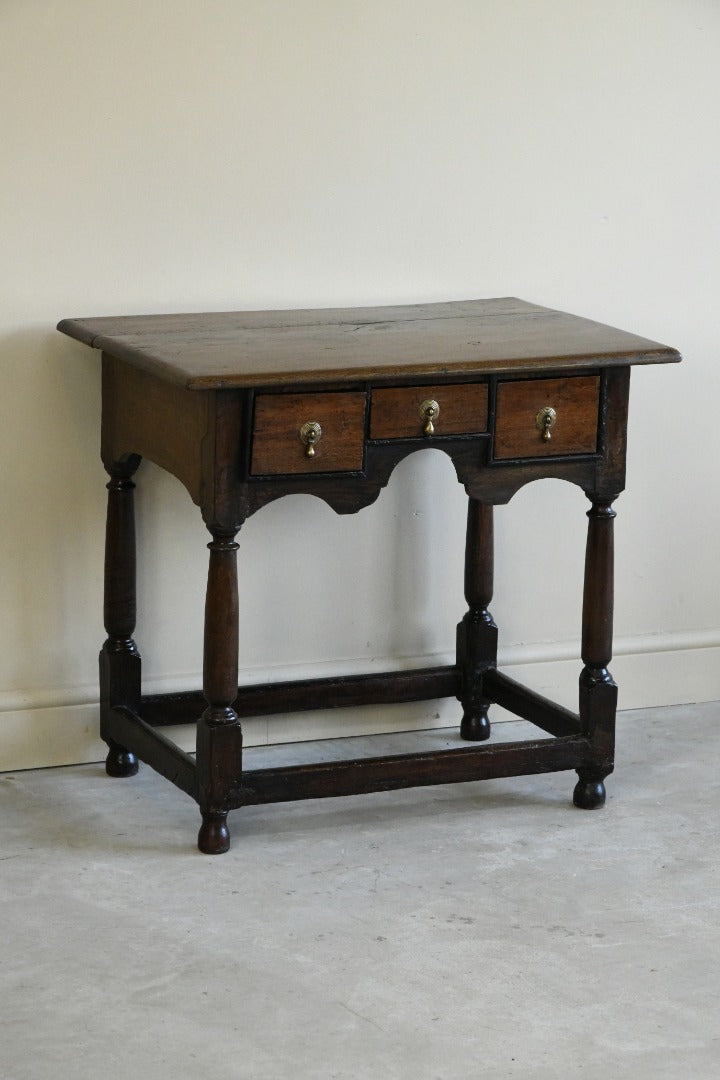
(242,349)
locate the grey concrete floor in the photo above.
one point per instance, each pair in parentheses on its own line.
(477,930)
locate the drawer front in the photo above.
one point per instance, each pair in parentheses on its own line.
(286,438)
(400,412)
(526,427)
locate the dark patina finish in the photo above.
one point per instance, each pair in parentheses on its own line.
(244,407)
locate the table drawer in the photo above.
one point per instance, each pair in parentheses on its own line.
(306,433)
(401,412)
(547,417)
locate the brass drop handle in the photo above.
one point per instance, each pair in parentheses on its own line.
(310,435)
(429,411)
(545,422)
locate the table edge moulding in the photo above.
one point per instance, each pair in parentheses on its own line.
(244,407)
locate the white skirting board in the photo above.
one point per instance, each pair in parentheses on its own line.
(44,728)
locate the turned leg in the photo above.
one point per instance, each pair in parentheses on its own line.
(598,692)
(219,736)
(119,657)
(477,633)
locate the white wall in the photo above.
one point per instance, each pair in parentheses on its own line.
(220,154)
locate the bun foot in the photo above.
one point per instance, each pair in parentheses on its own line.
(589,794)
(120,762)
(214,838)
(475,727)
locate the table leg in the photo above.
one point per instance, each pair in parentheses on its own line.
(477,633)
(598,692)
(119,657)
(219,735)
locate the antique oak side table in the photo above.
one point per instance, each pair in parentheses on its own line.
(245,407)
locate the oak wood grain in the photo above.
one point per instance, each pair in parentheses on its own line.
(154,419)
(277,446)
(576,402)
(395,411)
(219,350)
